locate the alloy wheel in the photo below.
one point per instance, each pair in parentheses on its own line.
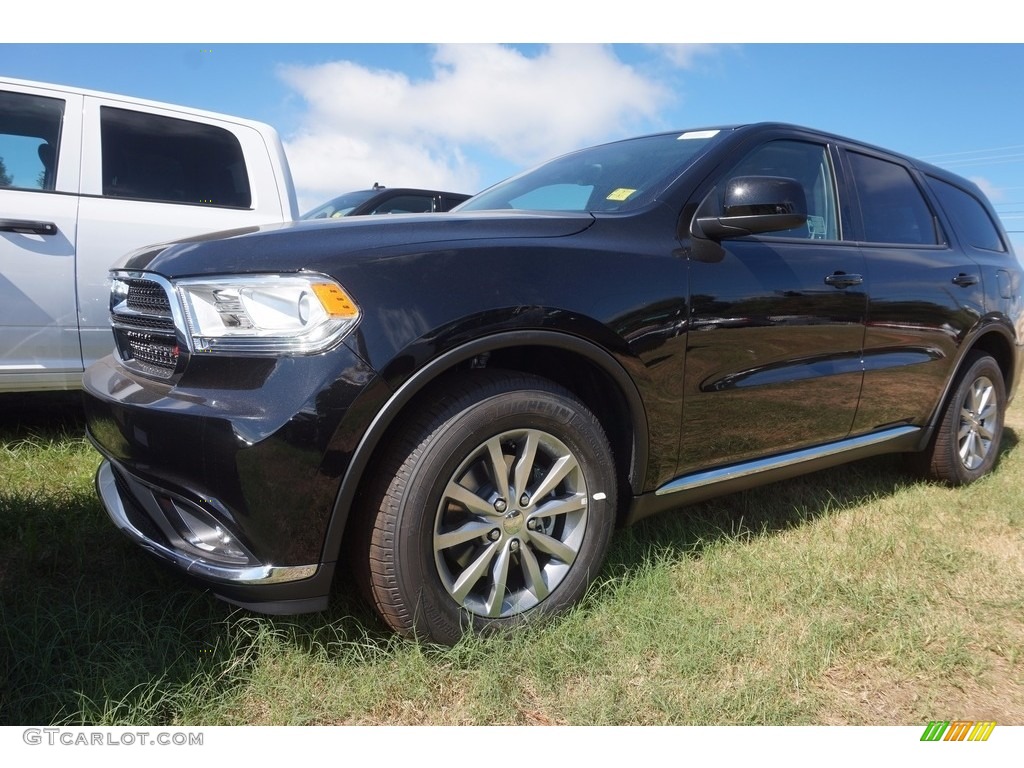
(510,523)
(977,422)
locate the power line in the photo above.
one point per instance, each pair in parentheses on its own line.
(993,160)
(973,151)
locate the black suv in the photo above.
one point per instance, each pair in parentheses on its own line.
(462,408)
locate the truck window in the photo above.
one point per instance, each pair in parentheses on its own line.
(151,157)
(29,140)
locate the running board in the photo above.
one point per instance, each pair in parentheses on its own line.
(736,477)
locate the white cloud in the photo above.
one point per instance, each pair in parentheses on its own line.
(684,55)
(365,125)
(992,192)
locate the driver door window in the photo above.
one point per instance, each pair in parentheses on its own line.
(809,164)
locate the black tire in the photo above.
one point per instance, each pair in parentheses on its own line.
(966,443)
(438,554)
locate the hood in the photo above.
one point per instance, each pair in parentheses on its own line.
(291,246)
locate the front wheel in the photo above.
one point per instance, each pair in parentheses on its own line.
(966,444)
(496,504)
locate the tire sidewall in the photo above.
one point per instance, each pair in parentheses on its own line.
(987,367)
(435,612)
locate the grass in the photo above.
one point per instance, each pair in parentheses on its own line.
(851,596)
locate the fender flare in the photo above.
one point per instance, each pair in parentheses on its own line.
(991,325)
(401,397)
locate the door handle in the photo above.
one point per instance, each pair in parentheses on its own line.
(843,280)
(26,227)
(964,280)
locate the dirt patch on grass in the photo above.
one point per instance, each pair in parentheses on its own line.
(858,694)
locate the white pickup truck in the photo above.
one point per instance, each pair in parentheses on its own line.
(86,177)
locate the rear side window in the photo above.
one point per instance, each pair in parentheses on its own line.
(972,222)
(29,140)
(893,207)
(151,157)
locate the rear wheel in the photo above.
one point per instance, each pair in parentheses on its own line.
(966,444)
(495,504)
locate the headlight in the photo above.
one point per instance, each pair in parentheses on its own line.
(266,314)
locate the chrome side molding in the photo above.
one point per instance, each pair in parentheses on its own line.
(783,460)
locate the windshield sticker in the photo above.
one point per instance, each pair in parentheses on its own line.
(698,135)
(620,194)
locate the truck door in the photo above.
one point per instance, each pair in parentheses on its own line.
(39,172)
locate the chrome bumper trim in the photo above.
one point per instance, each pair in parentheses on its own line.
(263,574)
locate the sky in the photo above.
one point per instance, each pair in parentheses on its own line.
(466,111)
(438,95)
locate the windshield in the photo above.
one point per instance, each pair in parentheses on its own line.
(340,206)
(612,177)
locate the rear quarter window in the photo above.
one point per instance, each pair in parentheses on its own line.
(973,224)
(152,157)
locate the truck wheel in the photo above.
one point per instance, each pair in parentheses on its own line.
(496,504)
(966,444)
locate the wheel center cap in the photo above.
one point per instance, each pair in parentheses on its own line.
(513,522)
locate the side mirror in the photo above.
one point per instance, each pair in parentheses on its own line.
(752,205)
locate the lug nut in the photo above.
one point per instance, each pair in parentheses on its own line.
(494,535)
(532,525)
(500,505)
(524,500)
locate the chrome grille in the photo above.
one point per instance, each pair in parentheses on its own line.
(144,330)
(143,322)
(155,354)
(147,296)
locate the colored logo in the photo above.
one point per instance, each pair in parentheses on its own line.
(958,730)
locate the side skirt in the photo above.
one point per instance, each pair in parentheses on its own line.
(720,481)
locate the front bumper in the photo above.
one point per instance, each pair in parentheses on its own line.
(137,509)
(231,474)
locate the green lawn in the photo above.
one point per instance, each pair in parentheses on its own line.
(852,596)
